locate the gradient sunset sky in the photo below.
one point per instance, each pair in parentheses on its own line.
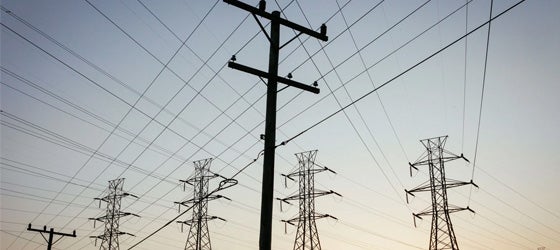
(96,90)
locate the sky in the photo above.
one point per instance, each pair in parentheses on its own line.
(93,91)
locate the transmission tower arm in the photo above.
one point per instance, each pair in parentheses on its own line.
(411,167)
(125,233)
(129,194)
(454,183)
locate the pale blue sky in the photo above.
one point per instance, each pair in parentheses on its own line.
(55,115)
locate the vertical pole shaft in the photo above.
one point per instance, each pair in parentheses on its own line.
(270,136)
(51,232)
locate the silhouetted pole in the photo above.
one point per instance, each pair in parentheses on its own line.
(272,88)
(267,195)
(51,234)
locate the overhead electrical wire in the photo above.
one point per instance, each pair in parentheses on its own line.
(481,97)
(391,79)
(216,72)
(207,195)
(361,98)
(514,190)
(102,71)
(465,77)
(252,104)
(90,80)
(400,74)
(515,220)
(198,129)
(362,60)
(359,113)
(26,169)
(374,64)
(160,150)
(51,38)
(409,69)
(49,54)
(65,142)
(133,105)
(42,175)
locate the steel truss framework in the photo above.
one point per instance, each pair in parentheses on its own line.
(199,237)
(307,236)
(110,237)
(442,235)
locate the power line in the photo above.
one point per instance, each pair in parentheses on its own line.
(97,68)
(481,96)
(362,60)
(365,46)
(66,142)
(362,97)
(519,193)
(357,110)
(90,80)
(502,215)
(79,73)
(160,150)
(296,140)
(401,74)
(465,77)
(221,187)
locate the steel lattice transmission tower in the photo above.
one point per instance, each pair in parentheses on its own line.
(110,237)
(442,235)
(307,236)
(199,236)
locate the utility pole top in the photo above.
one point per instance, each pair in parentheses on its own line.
(322,35)
(51,233)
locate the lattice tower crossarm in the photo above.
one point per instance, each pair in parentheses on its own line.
(307,235)
(442,235)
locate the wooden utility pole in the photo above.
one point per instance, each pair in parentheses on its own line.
(51,233)
(272,88)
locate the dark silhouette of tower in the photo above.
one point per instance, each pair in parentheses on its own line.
(199,236)
(307,236)
(110,237)
(442,235)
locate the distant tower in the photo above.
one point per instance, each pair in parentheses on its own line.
(442,235)
(307,236)
(110,237)
(199,236)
